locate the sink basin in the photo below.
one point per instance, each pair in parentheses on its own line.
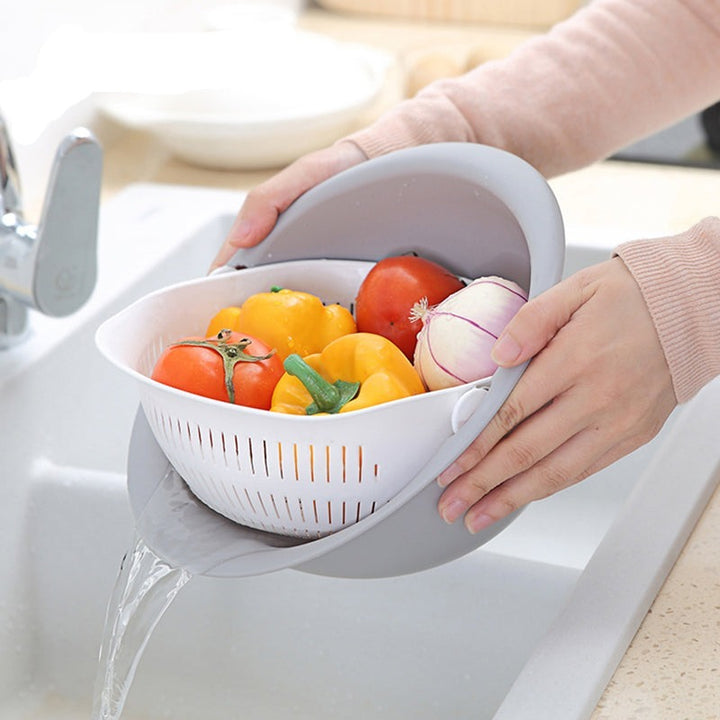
(529,626)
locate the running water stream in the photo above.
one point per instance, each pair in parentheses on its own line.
(145,588)
(147,585)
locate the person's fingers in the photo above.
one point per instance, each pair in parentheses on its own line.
(527,400)
(263,204)
(574,461)
(532,328)
(599,383)
(537,322)
(525,447)
(543,380)
(542,455)
(261,209)
(578,348)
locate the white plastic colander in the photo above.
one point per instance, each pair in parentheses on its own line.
(291,475)
(476,210)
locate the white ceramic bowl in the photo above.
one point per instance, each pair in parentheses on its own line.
(242,99)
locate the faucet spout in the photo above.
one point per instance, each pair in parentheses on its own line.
(51,268)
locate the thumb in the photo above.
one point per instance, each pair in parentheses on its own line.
(536,323)
(267,201)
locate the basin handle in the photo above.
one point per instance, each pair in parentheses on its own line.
(467,404)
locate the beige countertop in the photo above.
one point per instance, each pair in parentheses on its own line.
(672,668)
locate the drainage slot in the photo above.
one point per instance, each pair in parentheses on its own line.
(250,455)
(262,504)
(265,458)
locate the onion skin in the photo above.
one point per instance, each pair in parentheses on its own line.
(454,344)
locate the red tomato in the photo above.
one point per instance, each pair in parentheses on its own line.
(196,365)
(390,290)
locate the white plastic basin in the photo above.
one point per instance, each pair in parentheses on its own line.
(530,626)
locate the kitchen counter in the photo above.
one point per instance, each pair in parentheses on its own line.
(672,667)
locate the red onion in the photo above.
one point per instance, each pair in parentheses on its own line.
(458,334)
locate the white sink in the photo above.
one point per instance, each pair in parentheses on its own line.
(530,626)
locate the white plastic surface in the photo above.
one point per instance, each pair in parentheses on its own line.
(299,476)
(530,625)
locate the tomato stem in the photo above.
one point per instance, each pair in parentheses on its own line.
(231,354)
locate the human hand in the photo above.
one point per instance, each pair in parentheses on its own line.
(597,388)
(263,205)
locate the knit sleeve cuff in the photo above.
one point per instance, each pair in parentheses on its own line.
(679,278)
(430,117)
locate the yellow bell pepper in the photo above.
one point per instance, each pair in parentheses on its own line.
(353,372)
(289,321)
(225,319)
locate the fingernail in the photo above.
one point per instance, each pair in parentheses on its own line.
(506,350)
(239,231)
(478,522)
(222,258)
(447,476)
(452,511)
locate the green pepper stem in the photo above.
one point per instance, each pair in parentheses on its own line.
(327,397)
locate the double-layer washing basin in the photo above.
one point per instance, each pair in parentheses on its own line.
(529,626)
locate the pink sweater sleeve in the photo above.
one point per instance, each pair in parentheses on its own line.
(613,73)
(679,278)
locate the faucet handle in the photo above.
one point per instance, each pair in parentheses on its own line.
(65,267)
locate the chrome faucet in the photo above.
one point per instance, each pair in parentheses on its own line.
(52,267)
